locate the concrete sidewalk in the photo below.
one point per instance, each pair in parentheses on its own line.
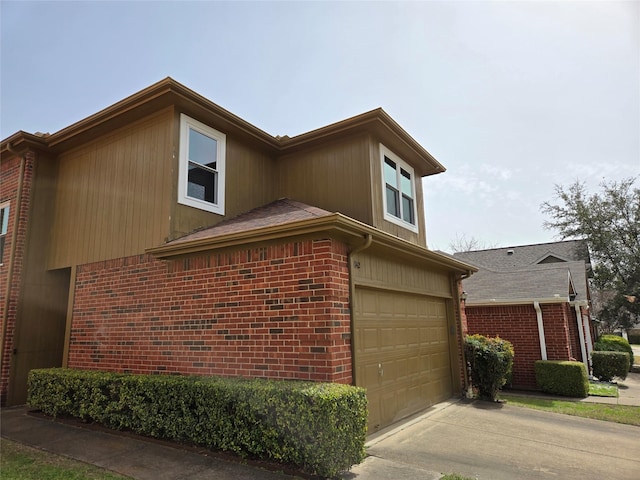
(133,456)
(488,441)
(478,439)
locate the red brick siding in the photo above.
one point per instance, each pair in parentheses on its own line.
(519,325)
(9,181)
(516,323)
(280,312)
(556,331)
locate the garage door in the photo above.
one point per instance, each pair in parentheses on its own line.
(402,353)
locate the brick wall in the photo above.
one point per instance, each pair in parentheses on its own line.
(9,180)
(557,331)
(516,323)
(280,312)
(519,325)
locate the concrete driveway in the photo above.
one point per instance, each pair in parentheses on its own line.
(492,442)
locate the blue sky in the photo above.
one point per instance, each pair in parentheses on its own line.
(511,97)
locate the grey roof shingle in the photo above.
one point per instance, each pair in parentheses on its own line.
(522,272)
(523,255)
(534,282)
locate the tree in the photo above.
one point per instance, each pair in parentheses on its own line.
(610,223)
(464,244)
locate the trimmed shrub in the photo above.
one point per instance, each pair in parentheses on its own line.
(562,377)
(607,365)
(614,343)
(490,361)
(319,427)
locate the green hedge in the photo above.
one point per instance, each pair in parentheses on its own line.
(319,427)
(614,343)
(564,378)
(607,365)
(490,361)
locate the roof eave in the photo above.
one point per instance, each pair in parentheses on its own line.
(336,224)
(376,121)
(514,301)
(165,93)
(20,142)
(168,92)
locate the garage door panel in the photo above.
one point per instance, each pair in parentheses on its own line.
(402,353)
(368,339)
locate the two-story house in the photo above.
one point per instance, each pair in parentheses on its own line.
(165,235)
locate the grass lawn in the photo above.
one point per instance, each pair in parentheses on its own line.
(611,413)
(603,389)
(20,462)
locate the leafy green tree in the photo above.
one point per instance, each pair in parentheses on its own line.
(610,223)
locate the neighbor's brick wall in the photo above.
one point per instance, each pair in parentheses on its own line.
(516,323)
(555,318)
(279,312)
(519,325)
(9,181)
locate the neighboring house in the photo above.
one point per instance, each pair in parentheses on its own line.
(166,235)
(535,296)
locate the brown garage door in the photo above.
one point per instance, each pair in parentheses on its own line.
(402,353)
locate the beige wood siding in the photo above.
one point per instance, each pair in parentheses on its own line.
(335,177)
(251,182)
(114,194)
(387,272)
(41,309)
(419,238)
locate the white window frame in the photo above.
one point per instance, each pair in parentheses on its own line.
(385,152)
(186,124)
(4,228)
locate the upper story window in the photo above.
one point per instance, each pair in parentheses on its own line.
(399,190)
(4,227)
(202,166)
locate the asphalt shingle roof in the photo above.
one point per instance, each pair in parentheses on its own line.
(527,272)
(524,255)
(279,212)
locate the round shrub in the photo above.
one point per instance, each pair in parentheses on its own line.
(490,361)
(614,343)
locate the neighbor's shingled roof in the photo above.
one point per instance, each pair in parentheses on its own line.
(523,255)
(527,272)
(533,282)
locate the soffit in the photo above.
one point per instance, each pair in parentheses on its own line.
(168,92)
(382,126)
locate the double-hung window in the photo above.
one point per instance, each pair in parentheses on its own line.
(399,190)
(202,166)
(4,228)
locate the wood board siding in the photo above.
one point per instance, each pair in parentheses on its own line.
(251,182)
(386,272)
(378,220)
(114,194)
(335,177)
